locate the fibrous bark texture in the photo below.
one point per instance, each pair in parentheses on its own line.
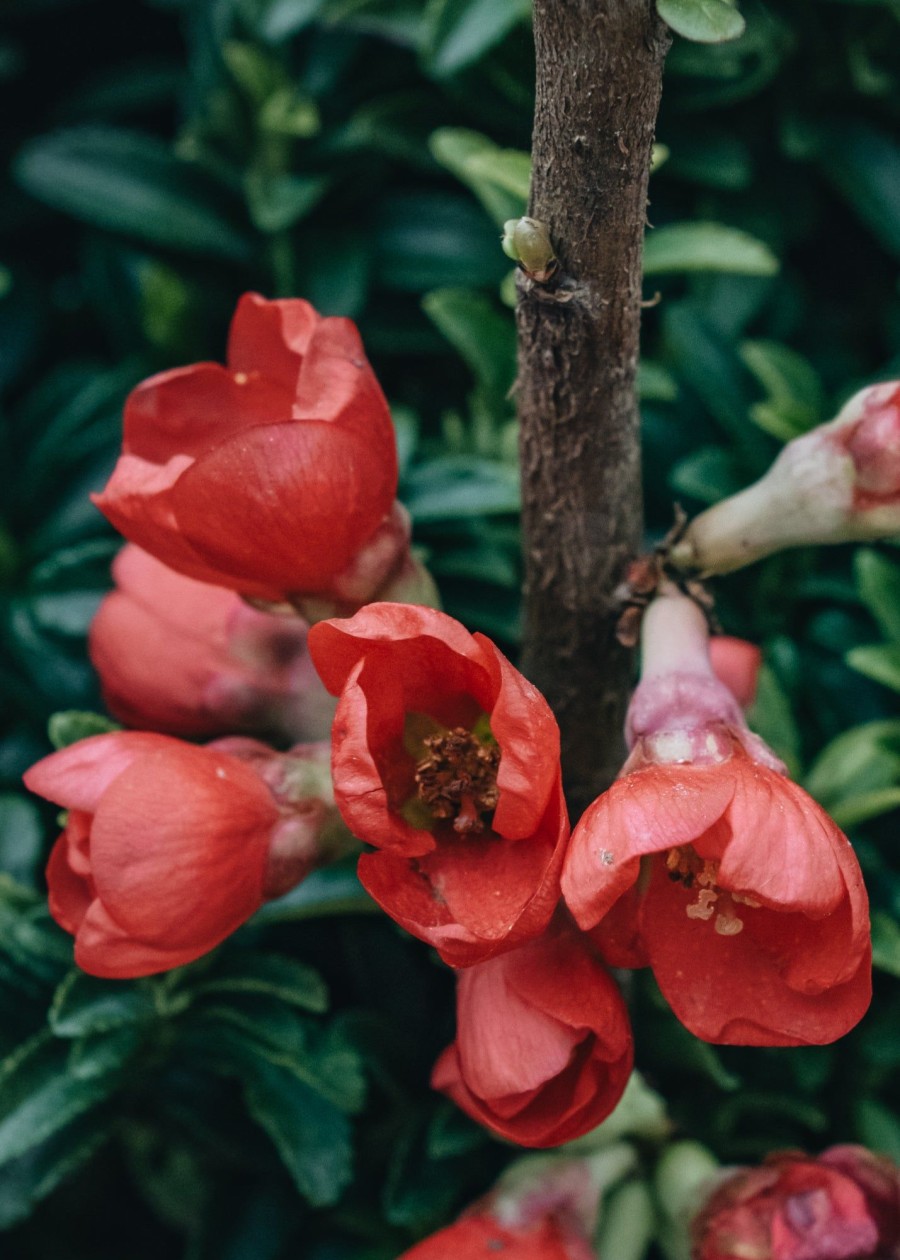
(599,77)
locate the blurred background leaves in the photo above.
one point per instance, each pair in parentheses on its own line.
(166,156)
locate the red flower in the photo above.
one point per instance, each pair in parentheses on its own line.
(845,1205)
(704,861)
(447,761)
(482,1237)
(543,1046)
(168,848)
(268,476)
(186,658)
(735,662)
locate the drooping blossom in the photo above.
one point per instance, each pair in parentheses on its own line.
(843,1205)
(446,760)
(704,860)
(186,658)
(736,663)
(543,1045)
(168,847)
(274,476)
(542,1208)
(838,483)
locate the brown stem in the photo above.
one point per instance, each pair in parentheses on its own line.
(599,78)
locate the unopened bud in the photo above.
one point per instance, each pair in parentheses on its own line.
(527,242)
(838,483)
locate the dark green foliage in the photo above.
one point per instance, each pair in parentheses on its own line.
(167,155)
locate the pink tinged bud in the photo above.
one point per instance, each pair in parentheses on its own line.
(185,658)
(681,713)
(838,483)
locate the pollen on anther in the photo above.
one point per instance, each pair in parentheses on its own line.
(728,924)
(704,907)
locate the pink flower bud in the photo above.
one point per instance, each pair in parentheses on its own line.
(838,483)
(846,1203)
(186,658)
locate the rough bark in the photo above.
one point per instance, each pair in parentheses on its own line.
(599,78)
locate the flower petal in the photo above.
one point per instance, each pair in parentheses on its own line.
(271,337)
(179,845)
(77,777)
(646,811)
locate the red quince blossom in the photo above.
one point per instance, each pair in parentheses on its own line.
(186,658)
(844,1205)
(706,862)
(269,476)
(446,760)
(482,1237)
(838,483)
(168,848)
(736,663)
(543,1046)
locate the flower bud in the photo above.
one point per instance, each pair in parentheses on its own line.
(845,1203)
(838,483)
(527,242)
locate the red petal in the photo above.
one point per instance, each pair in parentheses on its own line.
(782,848)
(526,730)
(732,989)
(647,811)
(271,338)
(77,777)
(69,894)
(102,948)
(188,410)
(179,845)
(284,505)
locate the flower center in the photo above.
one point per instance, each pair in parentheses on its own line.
(684,866)
(457,778)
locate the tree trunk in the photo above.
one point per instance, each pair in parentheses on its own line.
(599,78)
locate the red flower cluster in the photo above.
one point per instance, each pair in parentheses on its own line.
(845,1205)
(168,848)
(447,761)
(274,476)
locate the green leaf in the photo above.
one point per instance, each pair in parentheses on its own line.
(272,975)
(702,21)
(484,337)
(426,240)
(333,890)
(655,383)
(686,247)
(879,588)
(795,400)
(880,661)
(72,725)
(99,1055)
(130,183)
(708,474)
(21,837)
(458,32)
(885,943)
(39,1095)
(499,178)
(280,201)
(772,718)
(879,1128)
(84,1004)
(28,1179)
(851,774)
(312,1137)
(460,485)
(863,164)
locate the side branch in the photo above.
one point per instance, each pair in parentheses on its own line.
(599,79)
